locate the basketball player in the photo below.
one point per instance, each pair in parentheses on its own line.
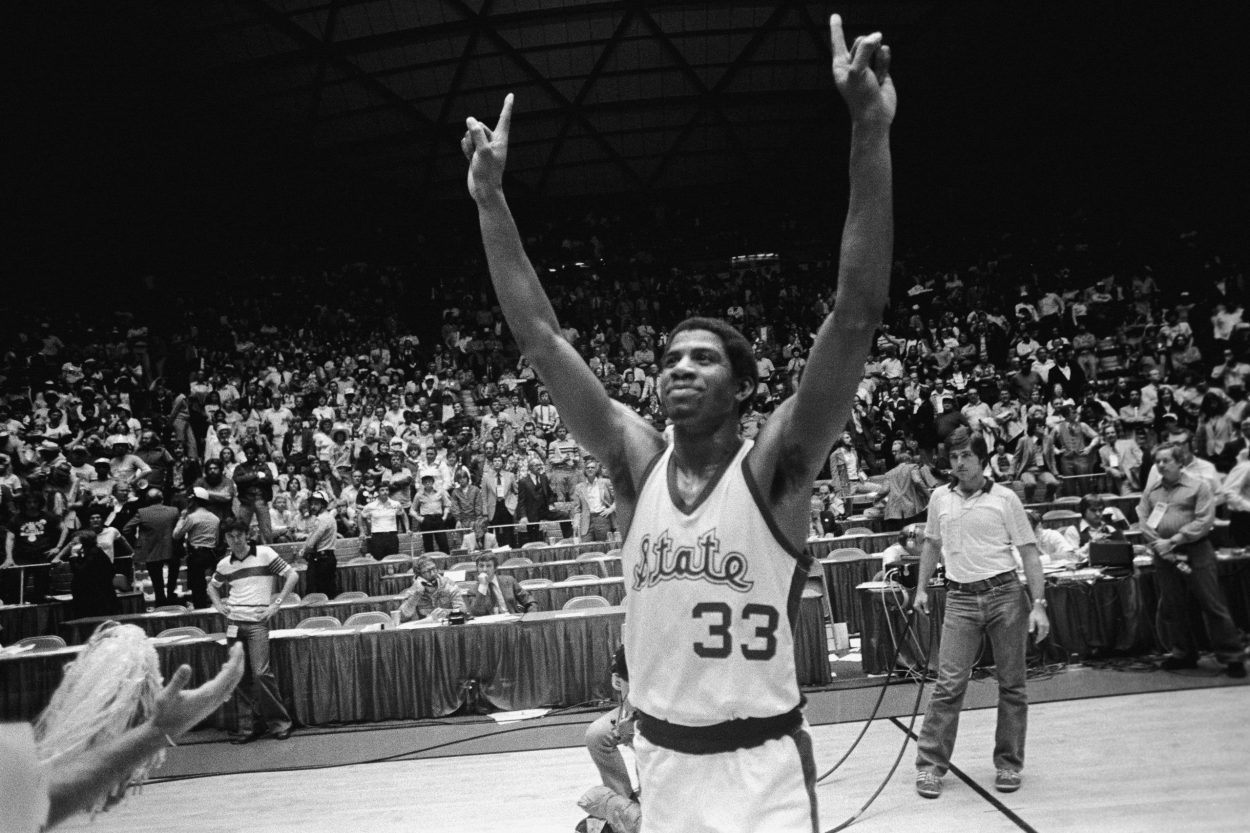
(715,562)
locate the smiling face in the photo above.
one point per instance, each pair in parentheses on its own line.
(697,380)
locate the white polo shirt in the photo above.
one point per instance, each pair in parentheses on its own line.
(976,533)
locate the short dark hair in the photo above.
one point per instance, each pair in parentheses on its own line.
(963,437)
(486,556)
(1091,502)
(230,525)
(737,348)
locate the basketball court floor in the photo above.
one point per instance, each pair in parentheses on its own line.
(1108,752)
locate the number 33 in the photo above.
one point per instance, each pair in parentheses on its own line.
(720,629)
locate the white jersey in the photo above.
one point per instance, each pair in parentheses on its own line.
(711,602)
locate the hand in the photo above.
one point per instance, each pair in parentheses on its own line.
(224,609)
(487,152)
(1162,547)
(52,551)
(438,614)
(1039,624)
(7,564)
(921,600)
(862,76)
(176,711)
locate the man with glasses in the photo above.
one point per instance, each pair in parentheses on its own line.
(432,595)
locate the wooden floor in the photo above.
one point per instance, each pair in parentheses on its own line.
(1169,761)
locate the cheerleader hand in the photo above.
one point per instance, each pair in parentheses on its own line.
(177,710)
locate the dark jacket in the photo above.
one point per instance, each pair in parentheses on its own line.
(255,482)
(534,499)
(515,598)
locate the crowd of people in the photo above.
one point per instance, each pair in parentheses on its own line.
(408,406)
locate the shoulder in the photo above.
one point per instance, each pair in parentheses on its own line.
(266,553)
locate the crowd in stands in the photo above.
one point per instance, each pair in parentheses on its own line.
(367,381)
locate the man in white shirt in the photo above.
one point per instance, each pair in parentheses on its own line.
(380,523)
(594,502)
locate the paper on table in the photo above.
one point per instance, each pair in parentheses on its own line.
(424,623)
(497,617)
(288,633)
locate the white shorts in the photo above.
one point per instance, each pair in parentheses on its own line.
(770,787)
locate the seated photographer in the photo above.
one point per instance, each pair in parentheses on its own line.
(1098,522)
(616,802)
(1055,547)
(901,560)
(432,595)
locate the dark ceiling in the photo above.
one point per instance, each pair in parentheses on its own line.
(302,107)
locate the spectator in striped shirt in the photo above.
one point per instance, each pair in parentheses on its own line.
(249,572)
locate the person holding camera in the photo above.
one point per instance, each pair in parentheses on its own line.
(432,595)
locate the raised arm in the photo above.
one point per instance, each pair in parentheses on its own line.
(796,439)
(606,427)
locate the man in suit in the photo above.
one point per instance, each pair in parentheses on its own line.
(499,495)
(594,502)
(534,499)
(495,593)
(154,546)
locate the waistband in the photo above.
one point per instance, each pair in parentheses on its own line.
(743,733)
(323,552)
(984,585)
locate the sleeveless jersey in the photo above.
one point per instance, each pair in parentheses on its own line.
(712,599)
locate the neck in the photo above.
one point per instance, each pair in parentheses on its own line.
(972,484)
(695,450)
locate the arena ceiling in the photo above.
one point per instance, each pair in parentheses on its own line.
(618,95)
(202,122)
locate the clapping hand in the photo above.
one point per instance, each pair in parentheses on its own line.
(862,76)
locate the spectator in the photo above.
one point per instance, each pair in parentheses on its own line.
(495,593)
(153,527)
(594,503)
(254,481)
(432,508)
(432,595)
(34,538)
(199,529)
(91,584)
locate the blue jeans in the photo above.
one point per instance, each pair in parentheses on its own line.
(259,689)
(1003,613)
(603,739)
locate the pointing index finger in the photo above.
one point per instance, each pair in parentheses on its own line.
(837,38)
(505,118)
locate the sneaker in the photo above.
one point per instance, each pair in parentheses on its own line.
(928,785)
(1178,663)
(1007,781)
(1236,670)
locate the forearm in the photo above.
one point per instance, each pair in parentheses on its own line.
(521,296)
(1033,575)
(868,235)
(928,563)
(292,579)
(74,786)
